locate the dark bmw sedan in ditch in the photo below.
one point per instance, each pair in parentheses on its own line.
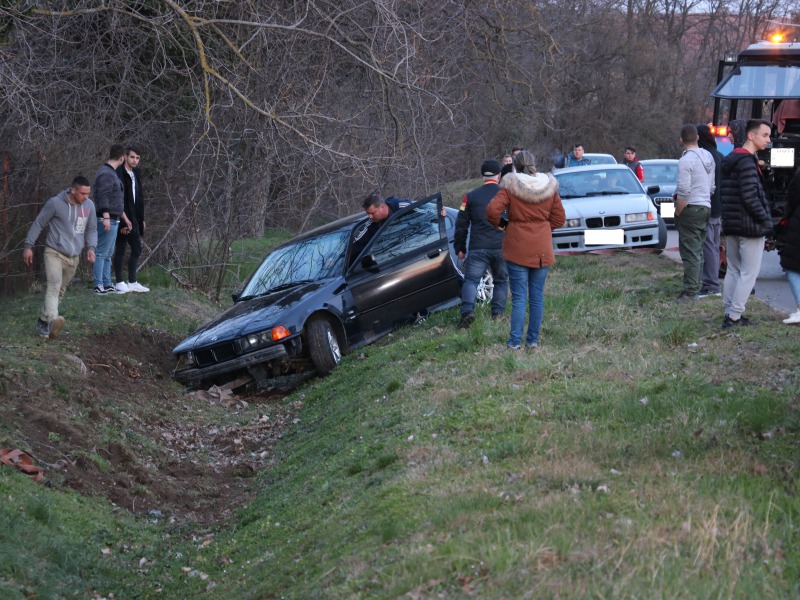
(312,300)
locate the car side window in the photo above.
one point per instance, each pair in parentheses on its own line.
(407,233)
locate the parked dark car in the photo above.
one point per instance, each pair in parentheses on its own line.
(662,172)
(310,301)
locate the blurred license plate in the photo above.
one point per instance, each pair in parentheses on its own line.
(603,237)
(667,210)
(781,157)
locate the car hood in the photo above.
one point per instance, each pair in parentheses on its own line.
(610,205)
(250,316)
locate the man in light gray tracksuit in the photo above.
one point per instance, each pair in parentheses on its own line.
(73,226)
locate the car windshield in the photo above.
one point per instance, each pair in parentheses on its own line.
(660,174)
(581,184)
(760,81)
(307,260)
(601,159)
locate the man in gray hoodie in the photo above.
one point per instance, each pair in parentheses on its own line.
(73,226)
(696,183)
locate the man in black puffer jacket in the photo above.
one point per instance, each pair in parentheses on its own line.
(789,244)
(746,220)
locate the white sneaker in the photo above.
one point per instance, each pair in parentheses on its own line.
(122,287)
(794,318)
(137,287)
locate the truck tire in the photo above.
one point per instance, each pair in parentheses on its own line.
(323,346)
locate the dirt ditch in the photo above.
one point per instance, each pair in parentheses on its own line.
(104,418)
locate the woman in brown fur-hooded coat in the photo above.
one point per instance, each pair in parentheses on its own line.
(534,209)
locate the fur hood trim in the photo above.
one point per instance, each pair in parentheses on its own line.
(533,189)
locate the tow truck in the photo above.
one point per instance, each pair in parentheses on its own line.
(763,82)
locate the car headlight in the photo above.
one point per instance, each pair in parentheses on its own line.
(186,361)
(642,216)
(573,223)
(263,338)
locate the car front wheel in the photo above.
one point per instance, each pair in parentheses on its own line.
(485,288)
(323,346)
(662,235)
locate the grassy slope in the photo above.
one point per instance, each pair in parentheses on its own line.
(617,461)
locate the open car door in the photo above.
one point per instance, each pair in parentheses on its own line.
(404,270)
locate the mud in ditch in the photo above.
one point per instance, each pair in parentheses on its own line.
(105,418)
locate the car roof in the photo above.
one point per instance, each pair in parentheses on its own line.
(659,161)
(591,155)
(344,223)
(584,168)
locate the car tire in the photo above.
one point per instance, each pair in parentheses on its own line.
(662,235)
(323,346)
(485,288)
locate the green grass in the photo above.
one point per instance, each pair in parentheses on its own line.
(202,264)
(453,193)
(642,452)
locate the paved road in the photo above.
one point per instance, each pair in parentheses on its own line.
(771,286)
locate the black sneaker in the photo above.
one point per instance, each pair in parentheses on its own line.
(707,293)
(466,320)
(100,290)
(43,328)
(740,322)
(685,296)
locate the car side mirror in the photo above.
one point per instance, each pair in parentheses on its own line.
(653,189)
(368,261)
(236,295)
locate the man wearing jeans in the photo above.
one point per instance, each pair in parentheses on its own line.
(72,226)
(746,221)
(485,246)
(109,203)
(692,208)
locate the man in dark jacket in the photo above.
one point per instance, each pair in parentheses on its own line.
(378,210)
(713,229)
(576,158)
(109,204)
(746,220)
(789,244)
(485,246)
(131,177)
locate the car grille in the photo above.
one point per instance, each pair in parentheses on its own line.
(595,222)
(217,354)
(659,199)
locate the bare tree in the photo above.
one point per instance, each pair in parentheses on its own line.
(259,113)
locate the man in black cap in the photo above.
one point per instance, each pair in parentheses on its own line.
(485,246)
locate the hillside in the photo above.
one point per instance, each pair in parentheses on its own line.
(642,451)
